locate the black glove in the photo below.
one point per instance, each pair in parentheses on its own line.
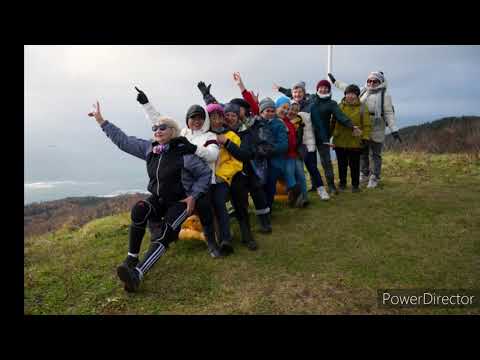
(205,90)
(141,97)
(187,148)
(396,136)
(332,79)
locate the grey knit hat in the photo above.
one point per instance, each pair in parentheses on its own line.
(300,84)
(266,103)
(231,107)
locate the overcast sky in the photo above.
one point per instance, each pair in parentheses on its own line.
(62,83)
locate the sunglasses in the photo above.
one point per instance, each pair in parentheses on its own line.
(162,127)
(372,81)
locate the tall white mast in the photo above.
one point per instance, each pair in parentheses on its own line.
(329,63)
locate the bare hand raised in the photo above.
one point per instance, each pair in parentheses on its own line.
(238,80)
(96,113)
(190,201)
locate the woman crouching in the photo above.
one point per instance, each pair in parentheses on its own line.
(177,178)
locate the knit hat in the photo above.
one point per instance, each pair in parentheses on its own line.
(266,103)
(232,108)
(352,88)
(300,84)
(240,102)
(211,108)
(377,75)
(195,110)
(324,83)
(281,101)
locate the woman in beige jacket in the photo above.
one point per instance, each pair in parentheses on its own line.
(374,94)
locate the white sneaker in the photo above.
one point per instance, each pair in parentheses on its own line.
(323,193)
(363,179)
(373,182)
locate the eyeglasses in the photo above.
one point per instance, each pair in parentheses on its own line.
(372,81)
(162,127)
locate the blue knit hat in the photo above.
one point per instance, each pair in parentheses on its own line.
(230,107)
(282,100)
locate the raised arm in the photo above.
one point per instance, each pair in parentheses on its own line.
(207,96)
(247,95)
(129,144)
(338,84)
(150,112)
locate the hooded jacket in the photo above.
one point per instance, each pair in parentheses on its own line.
(173,174)
(342,136)
(206,141)
(378,127)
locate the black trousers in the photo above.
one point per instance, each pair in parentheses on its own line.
(347,157)
(164,219)
(242,185)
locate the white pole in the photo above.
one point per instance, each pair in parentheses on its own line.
(329,63)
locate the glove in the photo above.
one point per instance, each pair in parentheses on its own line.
(332,79)
(396,136)
(188,147)
(205,90)
(141,97)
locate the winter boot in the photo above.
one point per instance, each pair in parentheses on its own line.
(265,225)
(355,189)
(373,182)
(363,179)
(130,277)
(246,234)
(213,249)
(293,193)
(333,189)
(323,193)
(342,187)
(130,261)
(226,247)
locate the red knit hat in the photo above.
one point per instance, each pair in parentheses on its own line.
(324,83)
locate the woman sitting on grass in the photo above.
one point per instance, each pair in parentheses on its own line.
(177,179)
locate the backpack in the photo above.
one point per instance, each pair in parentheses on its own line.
(263,139)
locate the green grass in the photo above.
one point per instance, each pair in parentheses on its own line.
(420,229)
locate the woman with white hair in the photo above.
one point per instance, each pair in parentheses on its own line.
(177,179)
(382,114)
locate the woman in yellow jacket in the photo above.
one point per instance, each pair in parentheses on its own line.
(348,146)
(225,169)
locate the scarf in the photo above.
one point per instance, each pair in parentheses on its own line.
(160,148)
(376,93)
(321,96)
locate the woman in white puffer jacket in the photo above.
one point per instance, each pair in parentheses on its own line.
(197,133)
(371,94)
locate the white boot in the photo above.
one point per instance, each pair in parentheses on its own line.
(373,182)
(323,193)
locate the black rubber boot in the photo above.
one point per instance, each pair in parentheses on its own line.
(293,193)
(246,234)
(226,247)
(213,249)
(265,225)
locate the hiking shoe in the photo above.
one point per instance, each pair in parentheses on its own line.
(131,261)
(342,187)
(355,189)
(333,189)
(214,251)
(373,182)
(323,194)
(252,245)
(130,277)
(363,179)
(265,225)
(293,194)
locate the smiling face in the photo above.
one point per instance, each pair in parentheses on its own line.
(351,97)
(162,133)
(232,119)
(283,110)
(323,90)
(372,82)
(298,94)
(195,122)
(216,120)
(268,113)
(293,111)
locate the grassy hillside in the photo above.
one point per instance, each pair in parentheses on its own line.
(421,229)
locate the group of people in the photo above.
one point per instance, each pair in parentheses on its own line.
(230,150)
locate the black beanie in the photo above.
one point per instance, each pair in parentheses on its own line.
(240,102)
(195,110)
(352,88)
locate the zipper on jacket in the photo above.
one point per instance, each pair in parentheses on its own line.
(158,181)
